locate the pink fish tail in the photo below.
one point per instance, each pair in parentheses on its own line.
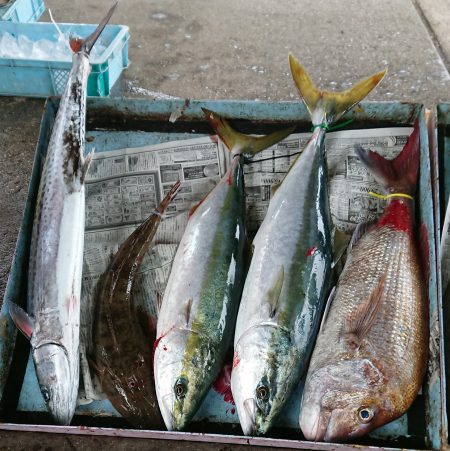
(400,174)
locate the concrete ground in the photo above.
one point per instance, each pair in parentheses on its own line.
(232,50)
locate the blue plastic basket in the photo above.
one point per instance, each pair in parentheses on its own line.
(34,78)
(22,10)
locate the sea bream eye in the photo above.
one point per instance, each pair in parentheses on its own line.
(365,414)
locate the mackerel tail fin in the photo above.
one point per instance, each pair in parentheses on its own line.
(78,45)
(327,107)
(400,174)
(240,143)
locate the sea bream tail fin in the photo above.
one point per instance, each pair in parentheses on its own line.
(240,143)
(22,320)
(327,107)
(400,174)
(85,45)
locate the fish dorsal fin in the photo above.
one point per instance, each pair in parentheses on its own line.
(360,231)
(358,324)
(274,188)
(340,244)
(22,320)
(273,295)
(327,308)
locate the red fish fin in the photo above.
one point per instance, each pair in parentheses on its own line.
(273,295)
(400,174)
(169,197)
(22,320)
(357,325)
(327,308)
(239,142)
(194,208)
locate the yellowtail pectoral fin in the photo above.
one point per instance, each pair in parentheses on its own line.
(332,105)
(273,295)
(239,142)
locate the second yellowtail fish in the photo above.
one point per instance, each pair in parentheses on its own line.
(287,281)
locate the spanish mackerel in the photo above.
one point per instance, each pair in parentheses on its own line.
(287,281)
(371,352)
(123,358)
(52,323)
(200,302)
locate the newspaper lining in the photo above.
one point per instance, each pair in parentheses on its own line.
(124,186)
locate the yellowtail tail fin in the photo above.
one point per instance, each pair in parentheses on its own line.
(240,143)
(327,107)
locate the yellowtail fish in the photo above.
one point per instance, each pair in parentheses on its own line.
(287,283)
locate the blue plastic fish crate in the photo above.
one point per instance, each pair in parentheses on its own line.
(34,78)
(22,10)
(123,123)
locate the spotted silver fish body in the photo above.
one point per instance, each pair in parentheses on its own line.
(56,254)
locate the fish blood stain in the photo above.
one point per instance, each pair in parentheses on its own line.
(311,251)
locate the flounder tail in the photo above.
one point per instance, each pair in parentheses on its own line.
(240,143)
(400,174)
(327,107)
(85,45)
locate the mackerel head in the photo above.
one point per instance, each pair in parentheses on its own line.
(287,281)
(52,321)
(199,307)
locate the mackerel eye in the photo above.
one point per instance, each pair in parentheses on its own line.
(365,414)
(262,392)
(180,388)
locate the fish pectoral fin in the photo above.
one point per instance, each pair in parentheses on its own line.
(360,231)
(358,324)
(22,320)
(340,244)
(185,314)
(327,308)
(85,165)
(273,295)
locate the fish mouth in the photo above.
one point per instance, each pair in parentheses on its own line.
(166,407)
(314,425)
(56,381)
(247,417)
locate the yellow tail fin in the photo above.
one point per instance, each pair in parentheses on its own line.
(240,143)
(327,107)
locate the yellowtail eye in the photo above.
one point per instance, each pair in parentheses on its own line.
(180,388)
(262,392)
(365,414)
